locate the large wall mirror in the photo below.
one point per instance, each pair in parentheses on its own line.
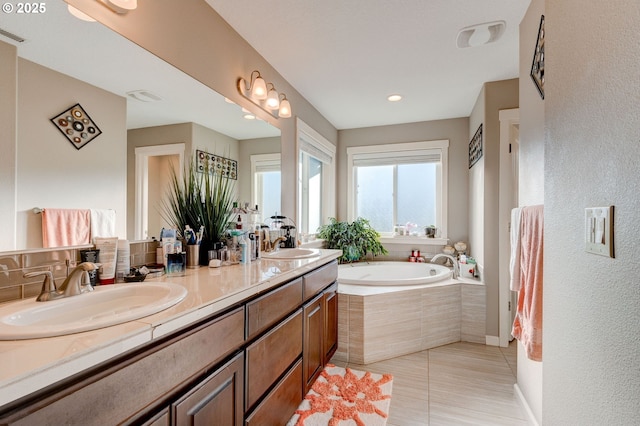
(140,102)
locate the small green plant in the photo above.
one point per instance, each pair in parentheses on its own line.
(355,239)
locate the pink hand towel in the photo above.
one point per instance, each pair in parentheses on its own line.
(65,227)
(527,325)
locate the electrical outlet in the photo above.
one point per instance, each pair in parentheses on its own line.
(599,230)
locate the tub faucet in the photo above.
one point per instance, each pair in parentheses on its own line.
(456,271)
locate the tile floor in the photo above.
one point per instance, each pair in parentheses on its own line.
(457,384)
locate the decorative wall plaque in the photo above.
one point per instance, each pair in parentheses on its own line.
(475,147)
(212,163)
(77,126)
(537,67)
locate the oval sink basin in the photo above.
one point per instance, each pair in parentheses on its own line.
(103,307)
(293,253)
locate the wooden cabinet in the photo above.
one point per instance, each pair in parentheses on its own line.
(266,310)
(278,406)
(270,356)
(313,337)
(216,400)
(249,365)
(330,302)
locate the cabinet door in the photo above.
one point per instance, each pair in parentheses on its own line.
(330,299)
(217,400)
(313,345)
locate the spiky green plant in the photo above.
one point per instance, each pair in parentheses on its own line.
(355,239)
(199,199)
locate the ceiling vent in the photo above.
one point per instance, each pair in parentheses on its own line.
(144,96)
(11,36)
(481,34)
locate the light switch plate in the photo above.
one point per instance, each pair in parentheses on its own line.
(599,230)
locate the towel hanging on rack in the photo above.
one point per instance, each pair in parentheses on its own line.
(65,227)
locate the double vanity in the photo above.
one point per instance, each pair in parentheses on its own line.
(242,346)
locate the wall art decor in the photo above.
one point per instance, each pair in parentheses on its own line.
(537,67)
(77,126)
(475,147)
(213,163)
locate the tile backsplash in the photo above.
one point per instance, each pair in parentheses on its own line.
(13,266)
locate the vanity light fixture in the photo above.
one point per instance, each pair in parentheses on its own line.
(264,95)
(80,15)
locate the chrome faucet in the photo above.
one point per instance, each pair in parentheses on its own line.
(456,270)
(77,282)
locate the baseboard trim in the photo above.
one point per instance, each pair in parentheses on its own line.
(492,340)
(531,419)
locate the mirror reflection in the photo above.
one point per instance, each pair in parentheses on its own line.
(150,114)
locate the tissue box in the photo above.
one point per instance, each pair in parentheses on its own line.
(467,270)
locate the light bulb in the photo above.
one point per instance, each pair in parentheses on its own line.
(273,99)
(285,109)
(80,15)
(259,89)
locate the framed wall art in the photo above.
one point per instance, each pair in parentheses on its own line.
(537,67)
(77,126)
(475,147)
(211,163)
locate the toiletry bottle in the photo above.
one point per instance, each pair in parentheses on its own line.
(239,222)
(245,257)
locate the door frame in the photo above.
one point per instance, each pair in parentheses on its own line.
(142,155)
(509,134)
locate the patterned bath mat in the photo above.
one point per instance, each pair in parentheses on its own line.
(345,397)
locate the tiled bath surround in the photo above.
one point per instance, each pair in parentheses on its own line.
(376,327)
(13,265)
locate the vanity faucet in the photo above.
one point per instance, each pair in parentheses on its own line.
(77,282)
(456,271)
(275,245)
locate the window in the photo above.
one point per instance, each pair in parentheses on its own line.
(265,184)
(315,179)
(398,184)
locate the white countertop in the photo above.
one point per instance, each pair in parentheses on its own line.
(29,365)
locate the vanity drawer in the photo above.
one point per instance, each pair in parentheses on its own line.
(280,404)
(315,281)
(270,356)
(272,307)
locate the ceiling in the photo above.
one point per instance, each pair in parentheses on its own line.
(346,56)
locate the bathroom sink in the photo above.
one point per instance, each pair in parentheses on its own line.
(293,253)
(103,307)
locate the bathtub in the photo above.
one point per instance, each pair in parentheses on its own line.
(389,309)
(392,273)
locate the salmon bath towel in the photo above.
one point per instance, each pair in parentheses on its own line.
(65,227)
(527,325)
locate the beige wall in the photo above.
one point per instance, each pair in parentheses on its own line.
(53,173)
(8,143)
(455,130)
(591,346)
(531,178)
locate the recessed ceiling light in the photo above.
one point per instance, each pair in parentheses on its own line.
(394,98)
(249,117)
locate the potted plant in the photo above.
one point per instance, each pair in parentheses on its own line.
(355,239)
(199,200)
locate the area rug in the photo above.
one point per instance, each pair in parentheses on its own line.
(345,397)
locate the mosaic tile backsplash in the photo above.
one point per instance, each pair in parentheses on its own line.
(13,266)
